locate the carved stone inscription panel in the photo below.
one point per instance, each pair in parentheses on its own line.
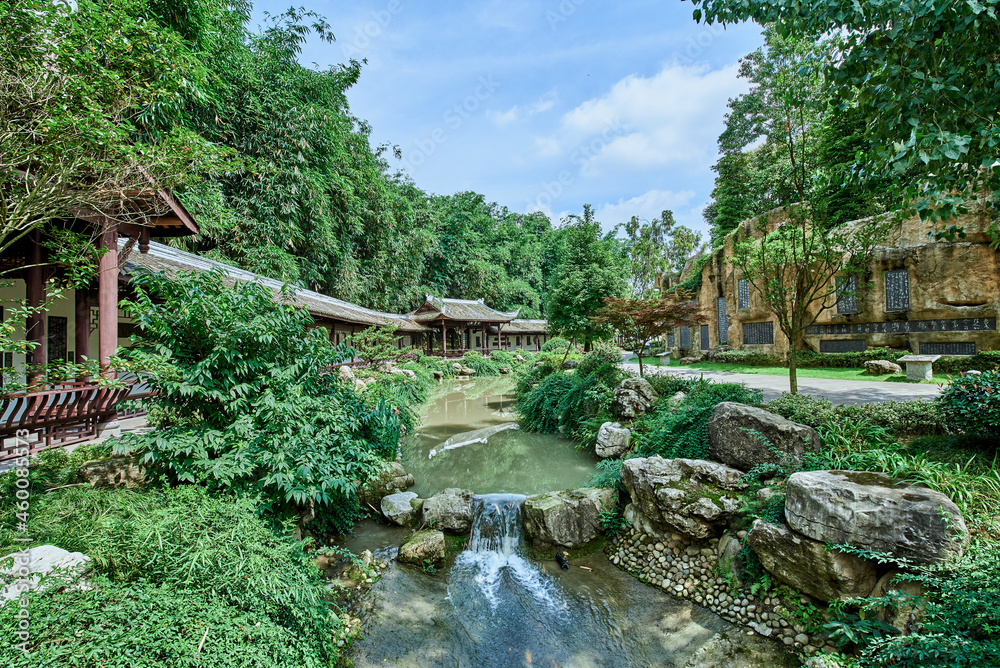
(906,327)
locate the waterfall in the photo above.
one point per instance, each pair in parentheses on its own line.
(493,564)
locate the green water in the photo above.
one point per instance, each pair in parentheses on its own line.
(465,440)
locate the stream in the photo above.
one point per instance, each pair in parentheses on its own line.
(496,607)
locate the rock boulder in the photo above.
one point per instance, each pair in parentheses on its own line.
(423,548)
(569,518)
(114,471)
(634,397)
(881,367)
(808,566)
(690,496)
(449,510)
(393,478)
(735,434)
(400,508)
(345,374)
(612,440)
(56,565)
(872,511)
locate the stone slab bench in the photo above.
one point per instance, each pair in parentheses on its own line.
(661,356)
(919,367)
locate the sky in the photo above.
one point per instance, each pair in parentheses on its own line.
(543,106)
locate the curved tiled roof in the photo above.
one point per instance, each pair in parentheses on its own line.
(170,260)
(469,310)
(526,327)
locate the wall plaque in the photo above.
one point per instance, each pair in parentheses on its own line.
(897,290)
(948,348)
(842,345)
(670,339)
(743,289)
(704,337)
(685,337)
(758,333)
(847,295)
(57,338)
(723,321)
(905,327)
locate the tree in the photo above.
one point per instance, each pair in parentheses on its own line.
(639,321)
(588,271)
(795,266)
(80,95)
(923,74)
(655,247)
(377,344)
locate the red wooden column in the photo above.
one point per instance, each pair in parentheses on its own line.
(82,319)
(107,298)
(484,338)
(444,339)
(35,323)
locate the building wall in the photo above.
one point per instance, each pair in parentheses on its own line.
(13,292)
(953,297)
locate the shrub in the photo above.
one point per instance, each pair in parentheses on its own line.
(172,563)
(744,357)
(482,365)
(249,380)
(682,431)
(972,403)
(601,355)
(554,344)
(960,621)
(802,408)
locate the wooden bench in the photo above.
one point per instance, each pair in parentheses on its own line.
(58,415)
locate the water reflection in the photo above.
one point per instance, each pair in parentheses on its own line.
(468,438)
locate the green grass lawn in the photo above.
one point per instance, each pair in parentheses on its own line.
(832,373)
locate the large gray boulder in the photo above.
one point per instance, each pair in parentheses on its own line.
(744,437)
(569,518)
(40,568)
(881,367)
(612,440)
(690,496)
(634,397)
(391,479)
(808,566)
(400,508)
(872,511)
(449,510)
(423,548)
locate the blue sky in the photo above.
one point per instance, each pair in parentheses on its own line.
(543,105)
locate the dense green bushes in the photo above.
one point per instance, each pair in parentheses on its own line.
(682,430)
(171,564)
(972,403)
(247,396)
(554,344)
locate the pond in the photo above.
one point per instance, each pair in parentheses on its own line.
(468,438)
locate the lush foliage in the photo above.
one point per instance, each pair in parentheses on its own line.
(172,564)
(249,402)
(972,402)
(82,88)
(376,344)
(656,247)
(591,270)
(682,430)
(639,321)
(923,77)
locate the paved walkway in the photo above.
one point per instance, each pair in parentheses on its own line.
(837,391)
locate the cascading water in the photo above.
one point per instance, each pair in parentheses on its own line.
(493,562)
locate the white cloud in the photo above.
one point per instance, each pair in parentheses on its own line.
(669,119)
(541,105)
(646,206)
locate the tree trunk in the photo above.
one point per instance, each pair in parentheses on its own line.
(793,381)
(571,345)
(640,364)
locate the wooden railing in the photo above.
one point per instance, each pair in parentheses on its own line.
(58,415)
